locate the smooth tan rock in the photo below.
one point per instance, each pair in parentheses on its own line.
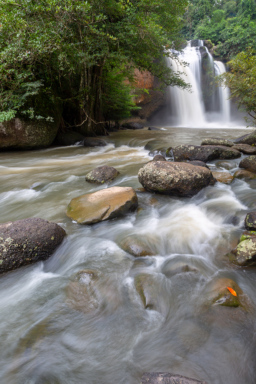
(244,175)
(245,148)
(102,205)
(136,246)
(223,177)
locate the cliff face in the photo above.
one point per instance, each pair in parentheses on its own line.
(151,100)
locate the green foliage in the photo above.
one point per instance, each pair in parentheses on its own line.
(229,24)
(78,53)
(242,82)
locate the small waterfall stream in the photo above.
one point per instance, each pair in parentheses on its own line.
(205,100)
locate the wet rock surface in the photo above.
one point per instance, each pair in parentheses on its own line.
(178,179)
(136,246)
(217,293)
(223,177)
(245,253)
(245,148)
(172,267)
(213,141)
(102,205)
(226,164)
(94,142)
(101,175)
(159,158)
(154,129)
(247,139)
(250,221)
(204,153)
(244,175)
(198,163)
(69,138)
(249,163)
(27,241)
(167,378)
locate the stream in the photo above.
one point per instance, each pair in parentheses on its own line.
(47,339)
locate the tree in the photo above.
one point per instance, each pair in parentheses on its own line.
(242,82)
(74,54)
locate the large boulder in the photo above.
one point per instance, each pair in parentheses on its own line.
(177,179)
(94,142)
(248,163)
(69,138)
(27,241)
(247,139)
(250,221)
(102,205)
(212,141)
(204,153)
(245,148)
(27,134)
(244,254)
(101,175)
(167,378)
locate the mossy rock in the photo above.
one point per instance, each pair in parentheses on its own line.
(245,253)
(213,141)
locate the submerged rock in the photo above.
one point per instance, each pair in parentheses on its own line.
(177,179)
(250,221)
(102,205)
(101,175)
(223,177)
(245,148)
(244,175)
(249,163)
(27,241)
(247,139)
(204,153)
(212,141)
(153,129)
(94,142)
(226,164)
(245,253)
(217,293)
(172,267)
(136,246)
(159,158)
(167,378)
(69,138)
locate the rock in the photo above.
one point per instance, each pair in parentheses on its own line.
(212,141)
(159,158)
(250,221)
(223,177)
(173,267)
(198,163)
(28,134)
(245,253)
(177,179)
(244,175)
(27,241)
(101,175)
(169,152)
(94,142)
(208,44)
(153,129)
(226,164)
(247,139)
(249,163)
(167,378)
(136,246)
(102,205)
(69,138)
(133,126)
(204,153)
(245,148)
(217,293)
(247,235)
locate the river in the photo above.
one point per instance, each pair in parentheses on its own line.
(47,340)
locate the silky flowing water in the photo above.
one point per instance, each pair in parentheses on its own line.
(46,339)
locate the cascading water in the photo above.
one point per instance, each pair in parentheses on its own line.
(192,108)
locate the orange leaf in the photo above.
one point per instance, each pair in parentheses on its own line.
(232,291)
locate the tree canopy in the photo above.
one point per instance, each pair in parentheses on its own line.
(75,56)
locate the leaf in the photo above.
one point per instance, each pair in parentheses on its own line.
(232,291)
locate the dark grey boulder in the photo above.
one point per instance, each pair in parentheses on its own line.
(101,175)
(249,163)
(69,138)
(250,221)
(167,378)
(27,241)
(204,153)
(153,129)
(198,163)
(132,126)
(247,139)
(245,148)
(159,158)
(94,142)
(213,141)
(177,179)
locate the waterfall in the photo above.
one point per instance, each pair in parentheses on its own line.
(223,93)
(191,108)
